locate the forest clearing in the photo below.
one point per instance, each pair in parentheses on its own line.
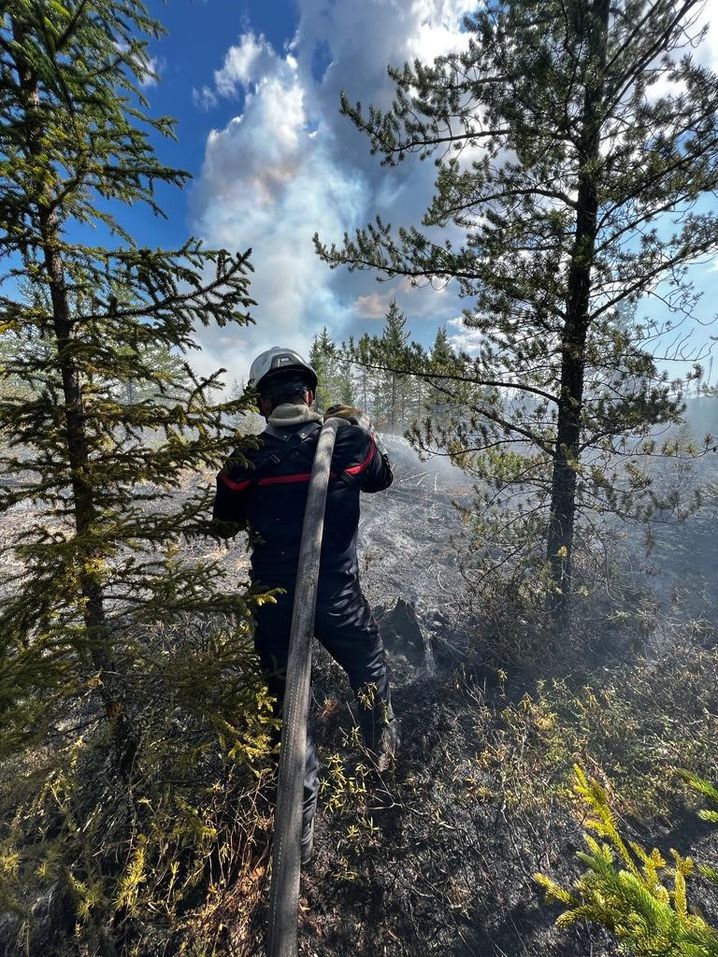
(513,695)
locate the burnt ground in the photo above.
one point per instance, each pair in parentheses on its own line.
(438,855)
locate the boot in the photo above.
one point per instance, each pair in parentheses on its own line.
(381,731)
(307,847)
(389,744)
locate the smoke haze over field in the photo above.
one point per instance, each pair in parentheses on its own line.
(414,523)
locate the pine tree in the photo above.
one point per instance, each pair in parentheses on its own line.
(99,565)
(333,371)
(393,342)
(578,198)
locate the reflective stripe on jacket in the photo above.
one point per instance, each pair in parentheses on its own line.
(269,499)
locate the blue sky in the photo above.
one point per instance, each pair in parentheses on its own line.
(199,33)
(254,86)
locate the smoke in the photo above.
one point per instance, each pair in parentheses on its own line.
(288,165)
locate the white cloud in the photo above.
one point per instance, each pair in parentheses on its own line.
(148,69)
(372,306)
(462,338)
(246,64)
(155,67)
(707,53)
(705,17)
(288,165)
(436,32)
(204,98)
(268,183)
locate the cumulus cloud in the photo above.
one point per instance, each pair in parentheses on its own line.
(462,338)
(372,306)
(268,183)
(288,165)
(436,31)
(245,64)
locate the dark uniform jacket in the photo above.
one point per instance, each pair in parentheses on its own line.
(270,498)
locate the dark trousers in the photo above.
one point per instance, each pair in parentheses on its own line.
(345,626)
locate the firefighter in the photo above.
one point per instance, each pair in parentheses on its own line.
(269,498)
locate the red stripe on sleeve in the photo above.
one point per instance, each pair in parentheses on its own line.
(356,469)
(235,486)
(282,479)
(289,479)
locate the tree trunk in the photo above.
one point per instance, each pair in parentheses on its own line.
(101,658)
(83,501)
(573,340)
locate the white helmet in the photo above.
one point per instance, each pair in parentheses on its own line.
(276,359)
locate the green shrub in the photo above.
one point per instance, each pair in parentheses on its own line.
(636,895)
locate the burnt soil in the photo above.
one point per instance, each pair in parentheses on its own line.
(438,854)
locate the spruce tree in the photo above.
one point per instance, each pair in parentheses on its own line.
(97,567)
(440,391)
(359,353)
(574,145)
(636,895)
(333,371)
(394,339)
(321,358)
(379,362)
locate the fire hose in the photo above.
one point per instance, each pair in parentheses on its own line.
(286,854)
